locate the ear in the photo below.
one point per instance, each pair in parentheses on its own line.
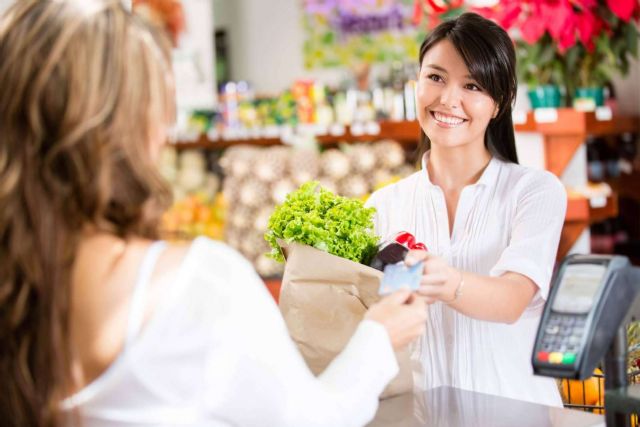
(496,110)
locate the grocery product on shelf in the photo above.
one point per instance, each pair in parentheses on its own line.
(199,208)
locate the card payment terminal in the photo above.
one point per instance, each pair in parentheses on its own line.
(588,300)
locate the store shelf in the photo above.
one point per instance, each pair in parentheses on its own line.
(571,122)
(610,210)
(563,134)
(565,130)
(205,143)
(578,218)
(579,210)
(627,185)
(404,132)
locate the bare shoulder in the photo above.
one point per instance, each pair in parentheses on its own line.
(105,273)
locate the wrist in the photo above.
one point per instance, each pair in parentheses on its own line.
(458,290)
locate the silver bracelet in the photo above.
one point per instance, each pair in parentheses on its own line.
(458,290)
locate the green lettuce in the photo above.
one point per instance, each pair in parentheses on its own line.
(314,216)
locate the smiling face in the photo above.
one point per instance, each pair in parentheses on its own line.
(453,110)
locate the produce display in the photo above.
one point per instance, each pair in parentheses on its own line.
(199,208)
(257,179)
(195,215)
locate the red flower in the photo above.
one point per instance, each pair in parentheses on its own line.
(585,4)
(532,29)
(589,26)
(506,13)
(623,9)
(558,17)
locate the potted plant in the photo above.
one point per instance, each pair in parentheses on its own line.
(599,56)
(585,41)
(541,68)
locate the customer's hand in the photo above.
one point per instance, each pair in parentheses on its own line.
(402,314)
(439,280)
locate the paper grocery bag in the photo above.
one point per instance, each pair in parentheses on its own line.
(322,299)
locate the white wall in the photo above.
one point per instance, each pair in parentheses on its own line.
(266,39)
(628,91)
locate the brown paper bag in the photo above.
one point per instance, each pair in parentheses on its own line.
(322,299)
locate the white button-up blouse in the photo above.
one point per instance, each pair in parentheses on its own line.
(509,220)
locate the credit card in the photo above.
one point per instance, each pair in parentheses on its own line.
(399,276)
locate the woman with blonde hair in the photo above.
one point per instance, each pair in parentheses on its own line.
(103,324)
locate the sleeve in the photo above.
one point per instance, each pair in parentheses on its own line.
(267,382)
(539,216)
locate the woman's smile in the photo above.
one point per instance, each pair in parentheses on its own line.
(447,120)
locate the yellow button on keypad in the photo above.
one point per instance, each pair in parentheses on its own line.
(555,357)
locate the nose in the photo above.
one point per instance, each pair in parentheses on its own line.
(450,97)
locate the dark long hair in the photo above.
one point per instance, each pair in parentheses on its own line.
(83,85)
(490,57)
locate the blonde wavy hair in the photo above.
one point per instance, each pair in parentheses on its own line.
(84,86)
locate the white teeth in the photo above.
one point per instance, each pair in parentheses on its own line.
(447,119)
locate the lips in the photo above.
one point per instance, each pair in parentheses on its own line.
(447,119)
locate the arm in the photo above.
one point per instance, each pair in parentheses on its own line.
(523,269)
(266,381)
(495,299)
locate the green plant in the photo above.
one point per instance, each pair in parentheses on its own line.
(578,43)
(540,63)
(316,217)
(610,55)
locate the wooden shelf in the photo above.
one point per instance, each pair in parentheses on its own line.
(567,133)
(205,143)
(404,132)
(572,122)
(578,218)
(579,210)
(627,185)
(610,210)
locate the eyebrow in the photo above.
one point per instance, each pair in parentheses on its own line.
(444,70)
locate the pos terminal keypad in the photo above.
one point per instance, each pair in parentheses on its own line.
(561,338)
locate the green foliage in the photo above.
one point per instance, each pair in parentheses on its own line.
(540,64)
(611,56)
(316,217)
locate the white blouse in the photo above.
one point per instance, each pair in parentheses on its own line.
(217,353)
(510,220)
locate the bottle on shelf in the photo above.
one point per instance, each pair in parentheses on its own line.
(595,161)
(627,152)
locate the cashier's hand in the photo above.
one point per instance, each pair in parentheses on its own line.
(402,314)
(439,280)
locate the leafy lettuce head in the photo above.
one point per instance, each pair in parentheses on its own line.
(314,216)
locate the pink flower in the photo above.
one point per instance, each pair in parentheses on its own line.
(623,9)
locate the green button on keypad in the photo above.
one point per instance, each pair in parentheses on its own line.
(568,358)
